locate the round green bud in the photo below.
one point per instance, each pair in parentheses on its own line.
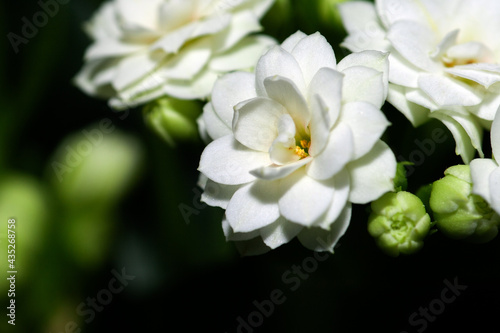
(173,119)
(399,223)
(459,214)
(95,167)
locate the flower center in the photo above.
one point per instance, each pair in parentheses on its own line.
(400,226)
(466,54)
(303,150)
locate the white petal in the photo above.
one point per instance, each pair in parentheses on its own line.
(228,162)
(142,13)
(174,14)
(338,152)
(415,113)
(282,150)
(211,25)
(446,91)
(86,79)
(342,188)
(274,171)
(319,126)
(367,123)
(470,50)
(261,7)
(197,88)
(365,85)
(372,175)
(218,195)
(415,42)
(361,41)
(243,55)
(188,61)
(402,72)
(495,189)
(173,41)
(285,92)
(241,24)
(409,10)
(253,206)
(364,27)
(278,62)
(289,43)
(255,122)
(487,109)
(448,41)
(318,239)
(495,137)
(236,236)
(481,170)
(312,53)
(132,69)
(214,125)
(279,232)
(475,73)
(464,146)
(473,129)
(417,96)
(371,59)
(229,90)
(111,48)
(356,14)
(304,199)
(328,85)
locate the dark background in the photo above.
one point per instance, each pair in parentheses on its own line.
(187,278)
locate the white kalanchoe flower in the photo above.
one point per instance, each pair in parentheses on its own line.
(149,48)
(486,172)
(444,60)
(296,143)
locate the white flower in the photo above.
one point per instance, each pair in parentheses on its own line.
(144,49)
(444,60)
(486,172)
(296,143)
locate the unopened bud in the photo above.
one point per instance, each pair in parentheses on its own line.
(459,213)
(173,119)
(399,223)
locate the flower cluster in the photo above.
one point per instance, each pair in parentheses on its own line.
(294,138)
(297,142)
(444,60)
(146,49)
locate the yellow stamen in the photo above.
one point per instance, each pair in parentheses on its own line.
(300,152)
(305,144)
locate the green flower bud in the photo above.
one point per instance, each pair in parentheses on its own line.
(173,119)
(399,223)
(459,213)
